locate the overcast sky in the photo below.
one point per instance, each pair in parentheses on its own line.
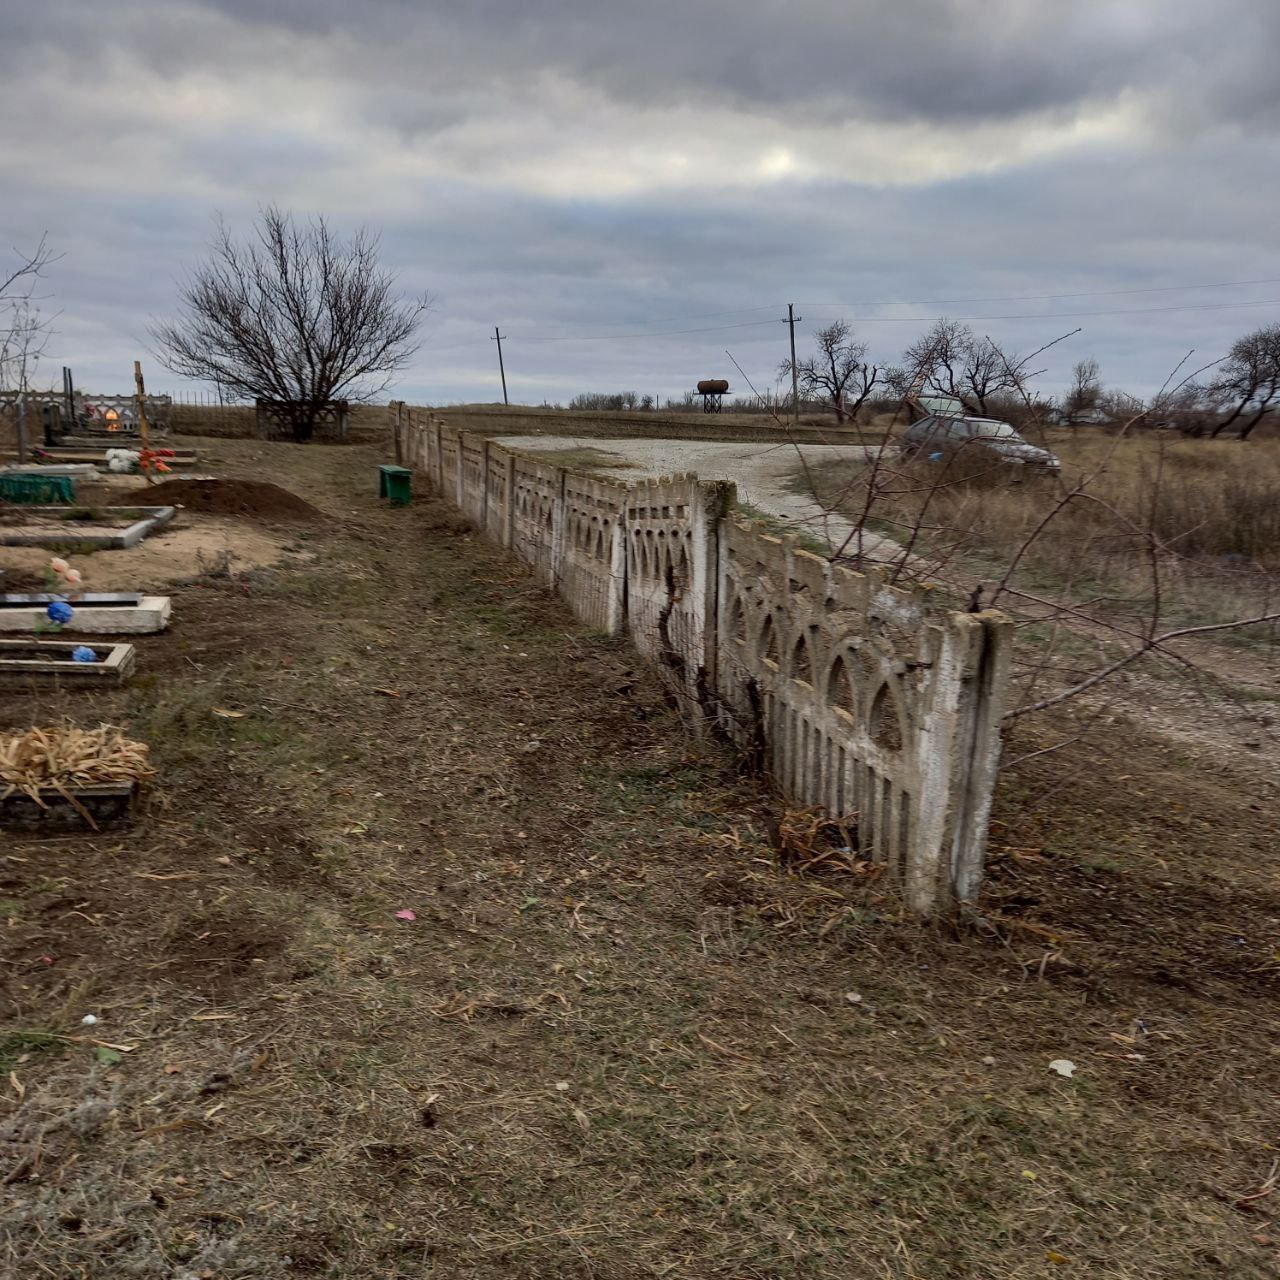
(596,176)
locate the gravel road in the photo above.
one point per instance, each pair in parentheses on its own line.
(763,473)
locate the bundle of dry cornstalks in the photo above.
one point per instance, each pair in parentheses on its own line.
(69,757)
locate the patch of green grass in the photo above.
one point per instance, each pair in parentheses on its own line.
(15,1045)
(66,547)
(1101,864)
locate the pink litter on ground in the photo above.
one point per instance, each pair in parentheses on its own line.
(406,914)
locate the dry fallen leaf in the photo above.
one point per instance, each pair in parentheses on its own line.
(584,1120)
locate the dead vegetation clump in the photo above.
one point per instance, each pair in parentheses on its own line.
(70,757)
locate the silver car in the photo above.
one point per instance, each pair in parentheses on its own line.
(939,435)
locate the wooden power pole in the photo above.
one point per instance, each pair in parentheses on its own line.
(795,380)
(497,337)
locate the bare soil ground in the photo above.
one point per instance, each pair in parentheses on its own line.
(617,1040)
(189,548)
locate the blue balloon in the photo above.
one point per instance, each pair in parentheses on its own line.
(82,653)
(60,611)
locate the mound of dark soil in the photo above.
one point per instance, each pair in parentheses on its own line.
(255,499)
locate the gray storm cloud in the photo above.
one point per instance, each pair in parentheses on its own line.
(577,168)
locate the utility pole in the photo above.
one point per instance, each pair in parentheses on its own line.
(497,337)
(795,380)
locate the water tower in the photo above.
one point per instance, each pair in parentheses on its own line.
(711,389)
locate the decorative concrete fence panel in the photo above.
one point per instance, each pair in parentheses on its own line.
(861,704)
(870,702)
(589,559)
(537,509)
(499,477)
(671,531)
(448,466)
(471,476)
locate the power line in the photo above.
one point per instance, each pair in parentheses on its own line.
(1044,297)
(1063,315)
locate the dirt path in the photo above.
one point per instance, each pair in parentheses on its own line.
(764,474)
(617,1040)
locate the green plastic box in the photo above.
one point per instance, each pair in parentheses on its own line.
(395,484)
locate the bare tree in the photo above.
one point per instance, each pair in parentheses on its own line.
(951,360)
(294,314)
(1192,410)
(24,330)
(1085,392)
(837,371)
(1249,377)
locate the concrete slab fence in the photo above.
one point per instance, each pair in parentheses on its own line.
(856,696)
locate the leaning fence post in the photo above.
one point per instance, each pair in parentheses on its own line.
(941,761)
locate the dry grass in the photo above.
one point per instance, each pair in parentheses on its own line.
(618,1040)
(1207,506)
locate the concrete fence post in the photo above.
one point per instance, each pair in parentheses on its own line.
(509,511)
(982,711)
(397,427)
(616,618)
(434,428)
(558,530)
(715,502)
(958,753)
